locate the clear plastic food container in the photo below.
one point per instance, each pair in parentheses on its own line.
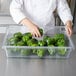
(48,51)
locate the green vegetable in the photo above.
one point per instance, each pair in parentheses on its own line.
(45,38)
(59,36)
(13,40)
(20,43)
(49,40)
(26,37)
(62,52)
(28,34)
(34,50)
(32,41)
(51,50)
(41,43)
(61,42)
(25,52)
(41,52)
(18,35)
(41,31)
(14,50)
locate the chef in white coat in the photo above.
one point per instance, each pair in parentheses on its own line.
(35,14)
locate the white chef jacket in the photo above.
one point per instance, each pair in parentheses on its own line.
(40,12)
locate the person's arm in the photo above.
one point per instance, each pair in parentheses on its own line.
(32,27)
(16,11)
(65,15)
(69,28)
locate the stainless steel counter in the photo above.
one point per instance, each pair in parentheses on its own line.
(37,67)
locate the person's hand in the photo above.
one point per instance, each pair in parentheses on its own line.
(68,28)
(34,30)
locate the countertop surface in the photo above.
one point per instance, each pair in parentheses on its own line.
(36,67)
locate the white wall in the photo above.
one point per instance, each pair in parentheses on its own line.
(4,6)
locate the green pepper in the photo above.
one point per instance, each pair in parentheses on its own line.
(61,42)
(28,34)
(13,40)
(59,36)
(41,52)
(20,43)
(52,51)
(62,52)
(34,50)
(32,41)
(14,50)
(26,37)
(45,38)
(18,35)
(25,52)
(49,40)
(41,31)
(41,43)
